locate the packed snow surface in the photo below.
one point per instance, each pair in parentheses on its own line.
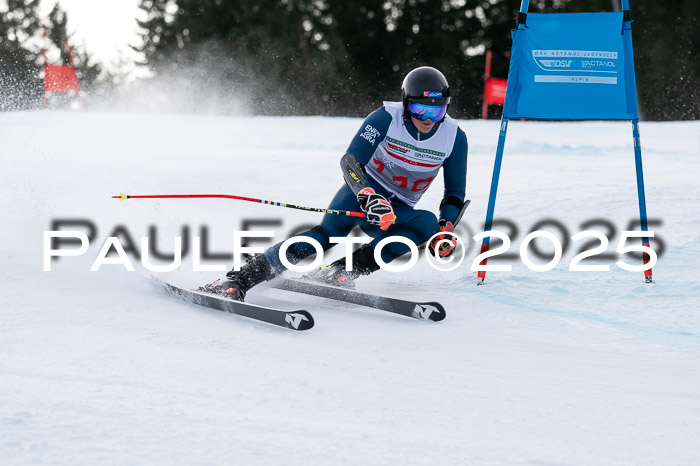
(554,367)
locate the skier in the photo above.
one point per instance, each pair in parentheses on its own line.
(390,163)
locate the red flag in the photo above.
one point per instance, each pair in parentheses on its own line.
(59,78)
(495,90)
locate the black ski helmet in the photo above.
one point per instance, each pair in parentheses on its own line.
(424,85)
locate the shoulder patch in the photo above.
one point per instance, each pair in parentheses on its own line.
(370,134)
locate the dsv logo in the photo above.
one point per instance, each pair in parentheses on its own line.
(556,63)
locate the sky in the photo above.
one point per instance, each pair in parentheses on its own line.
(105,27)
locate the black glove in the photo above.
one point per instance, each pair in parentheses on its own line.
(449,242)
(379,210)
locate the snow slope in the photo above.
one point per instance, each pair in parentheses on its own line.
(533,368)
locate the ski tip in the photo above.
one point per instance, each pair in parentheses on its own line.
(121,197)
(299,320)
(429,311)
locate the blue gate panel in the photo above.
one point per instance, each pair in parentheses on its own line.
(571,66)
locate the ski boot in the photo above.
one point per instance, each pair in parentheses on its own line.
(335,274)
(235,285)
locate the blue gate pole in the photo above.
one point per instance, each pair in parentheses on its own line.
(492,196)
(631,90)
(640,193)
(524,5)
(481,275)
(521,19)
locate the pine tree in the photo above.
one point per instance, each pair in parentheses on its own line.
(158,34)
(20,86)
(666,50)
(269,53)
(386,39)
(345,57)
(57,33)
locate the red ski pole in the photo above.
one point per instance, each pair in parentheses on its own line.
(124,197)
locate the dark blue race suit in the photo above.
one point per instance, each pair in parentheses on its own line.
(415,224)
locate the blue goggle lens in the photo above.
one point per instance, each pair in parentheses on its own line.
(423,112)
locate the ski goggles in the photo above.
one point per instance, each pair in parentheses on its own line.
(423,112)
